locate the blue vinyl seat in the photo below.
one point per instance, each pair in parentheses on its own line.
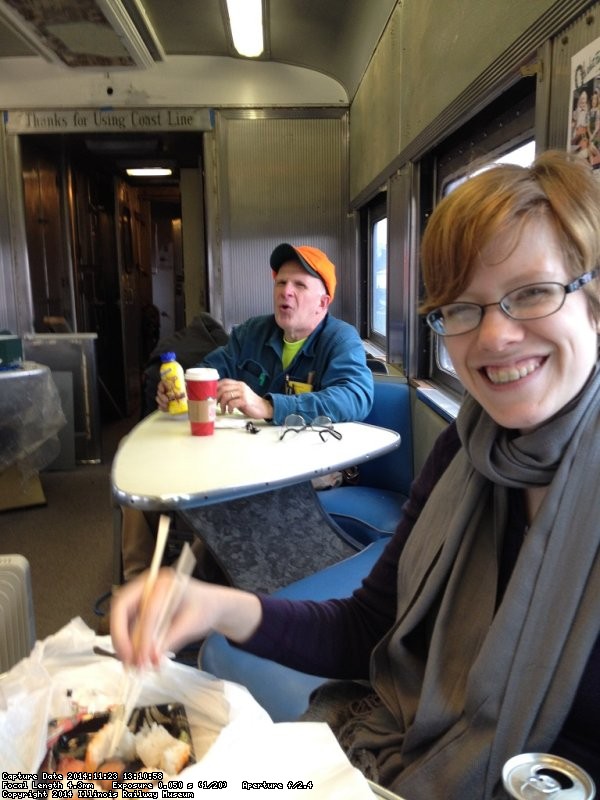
(371,509)
(282,691)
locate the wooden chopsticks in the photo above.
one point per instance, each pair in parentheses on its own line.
(157,557)
(134,677)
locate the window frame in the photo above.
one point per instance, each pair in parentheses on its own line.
(373,212)
(504,125)
(439,371)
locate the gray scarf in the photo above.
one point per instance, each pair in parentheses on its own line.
(463,683)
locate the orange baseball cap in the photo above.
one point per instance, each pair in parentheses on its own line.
(314,261)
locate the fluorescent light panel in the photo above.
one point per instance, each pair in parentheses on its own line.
(245,21)
(148,172)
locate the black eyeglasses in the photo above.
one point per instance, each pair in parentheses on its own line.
(534,301)
(296,424)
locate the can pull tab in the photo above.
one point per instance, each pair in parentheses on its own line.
(540,785)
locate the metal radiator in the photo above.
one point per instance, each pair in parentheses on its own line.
(17,620)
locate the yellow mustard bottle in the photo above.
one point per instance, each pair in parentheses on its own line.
(171,373)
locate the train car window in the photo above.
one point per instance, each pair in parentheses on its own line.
(375,270)
(522,155)
(378,277)
(503,131)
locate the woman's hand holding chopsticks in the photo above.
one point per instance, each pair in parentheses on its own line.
(203,608)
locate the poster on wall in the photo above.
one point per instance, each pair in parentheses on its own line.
(584,117)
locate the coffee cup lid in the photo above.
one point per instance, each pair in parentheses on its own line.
(201,374)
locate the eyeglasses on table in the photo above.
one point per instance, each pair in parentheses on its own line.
(322,425)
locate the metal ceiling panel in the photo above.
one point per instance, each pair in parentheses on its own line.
(187,31)
(336,38)
(12,43)
(83,33)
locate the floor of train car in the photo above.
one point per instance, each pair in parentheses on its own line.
(69,541)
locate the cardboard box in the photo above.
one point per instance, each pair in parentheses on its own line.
(16,492)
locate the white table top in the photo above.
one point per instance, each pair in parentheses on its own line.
(161,466)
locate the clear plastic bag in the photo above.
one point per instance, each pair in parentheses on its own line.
(31,416)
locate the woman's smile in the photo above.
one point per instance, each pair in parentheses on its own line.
(509,373)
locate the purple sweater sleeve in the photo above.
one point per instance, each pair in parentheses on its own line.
(334,638)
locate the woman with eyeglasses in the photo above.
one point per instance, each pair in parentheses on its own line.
(475,636)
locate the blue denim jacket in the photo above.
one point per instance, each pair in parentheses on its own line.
(332,359)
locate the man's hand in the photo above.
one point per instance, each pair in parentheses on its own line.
(230,395)
(164,393)
(237,394)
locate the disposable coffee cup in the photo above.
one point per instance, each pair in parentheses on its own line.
(201,388)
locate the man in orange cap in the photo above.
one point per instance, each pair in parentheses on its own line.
(298,360)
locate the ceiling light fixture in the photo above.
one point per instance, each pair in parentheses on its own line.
(246,24)
(148,172)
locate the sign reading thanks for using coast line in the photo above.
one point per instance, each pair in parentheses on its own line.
(107,120)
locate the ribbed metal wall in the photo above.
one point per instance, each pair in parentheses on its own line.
(8,319)
(501,73)
(281,178)
(16,305)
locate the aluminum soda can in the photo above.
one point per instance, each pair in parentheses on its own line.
(541,776)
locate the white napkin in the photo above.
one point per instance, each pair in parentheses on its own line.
(236,419)
(290,754)
(25,704)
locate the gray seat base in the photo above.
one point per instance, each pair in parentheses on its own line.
(269,540)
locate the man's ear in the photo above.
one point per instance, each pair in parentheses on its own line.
(325,301)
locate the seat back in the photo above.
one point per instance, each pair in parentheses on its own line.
(190,345)
(377,366)
(391,409)
(282,691)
